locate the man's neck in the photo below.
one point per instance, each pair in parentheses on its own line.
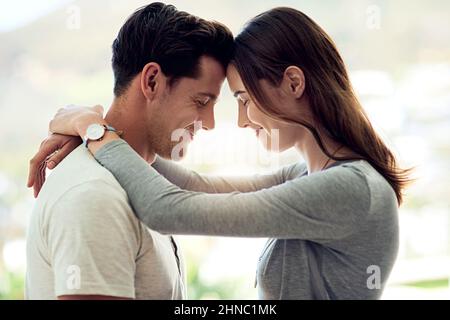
(124,116)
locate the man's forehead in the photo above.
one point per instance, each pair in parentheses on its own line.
(207,87)
(209,80)
(200,86)
(209,69)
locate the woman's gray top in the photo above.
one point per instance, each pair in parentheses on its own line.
(332,234)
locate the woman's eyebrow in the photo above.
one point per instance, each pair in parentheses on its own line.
(236,93)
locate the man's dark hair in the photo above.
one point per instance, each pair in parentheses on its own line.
(174,39)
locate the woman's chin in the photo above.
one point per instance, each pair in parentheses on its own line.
(270,148)
(274,148)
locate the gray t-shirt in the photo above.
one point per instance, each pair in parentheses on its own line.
(84,239)
(333,234)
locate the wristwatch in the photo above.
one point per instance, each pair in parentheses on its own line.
(95,132)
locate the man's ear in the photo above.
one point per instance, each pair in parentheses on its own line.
(153,80)
(294,81)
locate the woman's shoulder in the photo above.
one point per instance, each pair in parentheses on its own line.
(365,170)
(357,180)
(360,172)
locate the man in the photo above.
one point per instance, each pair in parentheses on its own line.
(84,241)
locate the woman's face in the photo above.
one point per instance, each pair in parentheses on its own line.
(275,135)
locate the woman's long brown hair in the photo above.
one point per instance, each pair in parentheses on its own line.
(283,37)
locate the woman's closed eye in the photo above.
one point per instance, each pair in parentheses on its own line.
(245,102)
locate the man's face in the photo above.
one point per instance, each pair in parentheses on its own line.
(184,108)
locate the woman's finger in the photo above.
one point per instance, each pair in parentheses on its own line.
(39,179)
(47,148)
(54,159)
(70,143)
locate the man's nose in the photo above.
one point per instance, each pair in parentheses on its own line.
(207,118)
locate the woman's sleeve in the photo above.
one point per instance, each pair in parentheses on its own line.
(193,181)
(316,207)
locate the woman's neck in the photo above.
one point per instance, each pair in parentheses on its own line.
(316,160)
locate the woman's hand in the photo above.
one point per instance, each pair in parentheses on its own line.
(74,120)
(67,126)
(51,152)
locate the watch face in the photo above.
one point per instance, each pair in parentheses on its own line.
(95,132)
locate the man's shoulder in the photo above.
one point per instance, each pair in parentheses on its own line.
(79,173)
(80,184)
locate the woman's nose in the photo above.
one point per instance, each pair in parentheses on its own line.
(243,120)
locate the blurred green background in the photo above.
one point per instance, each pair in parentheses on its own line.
(54,53)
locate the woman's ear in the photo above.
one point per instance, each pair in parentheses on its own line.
(152,80)
(294,80)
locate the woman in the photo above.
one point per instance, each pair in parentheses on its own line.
(332,221)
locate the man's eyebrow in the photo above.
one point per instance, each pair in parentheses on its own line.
(238,93)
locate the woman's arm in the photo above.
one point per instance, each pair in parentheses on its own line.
(317,207)
(193,181)
(75,120)
(322,206)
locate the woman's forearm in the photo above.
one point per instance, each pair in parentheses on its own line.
(299,209)
(184,178)
(193,181)
(109,136)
